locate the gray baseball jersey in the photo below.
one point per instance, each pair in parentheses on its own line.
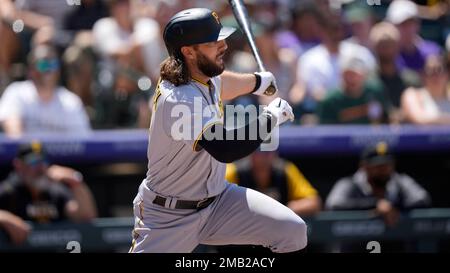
(176,166)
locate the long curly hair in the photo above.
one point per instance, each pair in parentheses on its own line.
(175,70)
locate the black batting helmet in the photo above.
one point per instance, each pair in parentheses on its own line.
(194,26)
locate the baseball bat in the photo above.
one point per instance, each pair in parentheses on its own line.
(241,15)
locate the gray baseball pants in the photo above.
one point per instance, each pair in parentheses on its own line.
(238,216)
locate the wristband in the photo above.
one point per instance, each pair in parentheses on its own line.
(258,82)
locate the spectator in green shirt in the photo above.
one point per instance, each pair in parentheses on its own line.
(357,102)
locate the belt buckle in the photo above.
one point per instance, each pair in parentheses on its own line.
(200,203)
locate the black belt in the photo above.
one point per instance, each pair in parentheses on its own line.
(184,204)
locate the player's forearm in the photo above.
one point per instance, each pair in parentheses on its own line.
(227,147)
(236,84)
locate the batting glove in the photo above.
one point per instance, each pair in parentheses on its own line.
(263,80)
(281,110)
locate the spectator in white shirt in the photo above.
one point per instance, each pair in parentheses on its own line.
(318,71)
(131,50)
(40,104)
(129,41)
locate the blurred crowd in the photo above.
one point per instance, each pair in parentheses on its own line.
(77,65)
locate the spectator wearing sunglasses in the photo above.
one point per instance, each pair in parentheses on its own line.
(431,103)
(40,104)
(38,192)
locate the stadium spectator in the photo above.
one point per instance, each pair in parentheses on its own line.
(377,186)
(40,104)
(56,11)
(15,36)
(131,52)
(16,228)
(413,49)
(84,16)
(42,193)
(302,33)
(277,178)
(447,51)
(318,70)
(361,20)
(358,102)
(44,19)
(33,14)
(431,103)
(326,7)
(162,10)
(80,69)
(385,40)
(130,41)
(435,17)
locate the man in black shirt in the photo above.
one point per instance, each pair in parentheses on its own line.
(40,193)
(376,185)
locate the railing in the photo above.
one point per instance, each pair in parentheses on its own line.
(131,145)
(422,227)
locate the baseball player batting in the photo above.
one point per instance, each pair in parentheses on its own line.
(185,201)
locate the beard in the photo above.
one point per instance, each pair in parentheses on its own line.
(380,181)
(208,67)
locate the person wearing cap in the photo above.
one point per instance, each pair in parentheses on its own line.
(414,50)
(278,178)
(185,200)
(361,20)
(41,193)
(40,104)
(377,186)
(357,102)
(266,172)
